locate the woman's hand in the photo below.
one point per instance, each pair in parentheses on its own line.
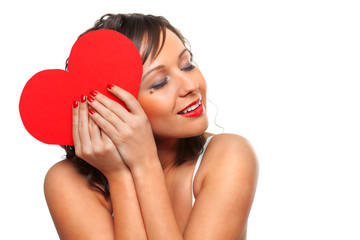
(93,145)
(130,131)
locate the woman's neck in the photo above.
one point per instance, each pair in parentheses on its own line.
(167,151)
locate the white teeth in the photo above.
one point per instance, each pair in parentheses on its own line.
(193,107)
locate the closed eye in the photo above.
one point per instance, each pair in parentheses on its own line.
(190,67)
(161,84)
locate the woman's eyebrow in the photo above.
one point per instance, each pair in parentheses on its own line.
(162,66)
(153,69)
(182,53)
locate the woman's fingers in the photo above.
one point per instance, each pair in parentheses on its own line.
(113,106)
(108,113)
(107,116)
(130,101)
(75,124)
(105,126)
(105,138)
(83,123)
(95,133)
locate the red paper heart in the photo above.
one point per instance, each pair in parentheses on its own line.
(96,59)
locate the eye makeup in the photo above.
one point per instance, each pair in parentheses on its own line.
(161,84)
(161,78)
(190,67)
(186,62)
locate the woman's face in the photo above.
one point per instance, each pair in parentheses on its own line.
(170,84)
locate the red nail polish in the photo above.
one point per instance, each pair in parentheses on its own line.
(75,104)
(91,111)
(83,98)
(93,93)
(110,86)
(90,98)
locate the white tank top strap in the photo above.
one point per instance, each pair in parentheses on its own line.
(198,162)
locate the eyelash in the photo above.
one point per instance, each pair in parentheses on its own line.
(157,86)
(165,81)
(190,67)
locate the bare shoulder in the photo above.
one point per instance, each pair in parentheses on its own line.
(73,203)
(62,170)
(63,176)
(228,155)
(230,148)
(59,176)
(64,179)
(229,139)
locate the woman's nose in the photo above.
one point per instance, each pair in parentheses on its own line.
(187,86)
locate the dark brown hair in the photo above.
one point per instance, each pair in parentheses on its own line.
(145,32)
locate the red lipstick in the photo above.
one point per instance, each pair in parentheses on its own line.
(197,112)
(196,101)
(189,111)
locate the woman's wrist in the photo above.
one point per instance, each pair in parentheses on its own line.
(149,163)
(118,175)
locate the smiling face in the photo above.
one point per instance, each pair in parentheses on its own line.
(173,92)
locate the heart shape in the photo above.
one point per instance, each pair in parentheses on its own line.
(96,59)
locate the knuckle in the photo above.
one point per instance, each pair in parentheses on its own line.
(78,153)
(111,104)
(126,133)
(108,148)
(97,151)
(117,139)
(137,122)
(144,119)
(127,97)
(83,124)
(86,152)
(107,129)
(108,115)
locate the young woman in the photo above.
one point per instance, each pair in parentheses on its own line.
(151,172)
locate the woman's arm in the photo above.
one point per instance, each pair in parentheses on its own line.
(77,210)
(128,222)
(224,191)
(155,203)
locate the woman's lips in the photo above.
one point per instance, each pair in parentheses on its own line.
(194,113)
(191,106)
(192,110)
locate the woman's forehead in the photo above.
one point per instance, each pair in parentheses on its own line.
(172,45)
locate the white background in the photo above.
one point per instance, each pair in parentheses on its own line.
(284,74)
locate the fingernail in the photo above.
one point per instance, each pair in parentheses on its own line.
(93,93)
(90,98)
(91,111)
(83,98)
(110,86)
(75,104)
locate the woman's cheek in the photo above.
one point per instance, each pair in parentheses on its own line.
(152,106)
(145,104)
